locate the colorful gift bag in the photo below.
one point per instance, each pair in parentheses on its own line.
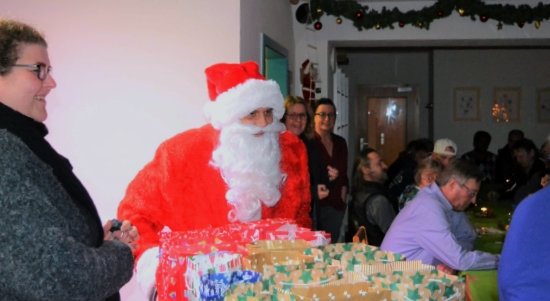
(272,245)
(420,285)
(340,290)
(256,262)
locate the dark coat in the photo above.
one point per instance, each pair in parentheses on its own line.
(51,238)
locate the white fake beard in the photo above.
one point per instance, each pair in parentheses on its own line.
(250,167)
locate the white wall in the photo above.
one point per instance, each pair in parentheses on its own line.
(130,74)
(270,17)
(487,69)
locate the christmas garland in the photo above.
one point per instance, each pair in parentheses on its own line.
(363,18)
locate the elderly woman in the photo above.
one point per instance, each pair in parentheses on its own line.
(53,246)
(299,121)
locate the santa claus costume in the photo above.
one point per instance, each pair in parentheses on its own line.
(183,188)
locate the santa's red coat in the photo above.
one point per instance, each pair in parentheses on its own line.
(181,190)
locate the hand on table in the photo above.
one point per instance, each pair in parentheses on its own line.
(445,269)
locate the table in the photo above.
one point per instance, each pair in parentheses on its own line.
(491,224)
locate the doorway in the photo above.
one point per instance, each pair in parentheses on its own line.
(387,119)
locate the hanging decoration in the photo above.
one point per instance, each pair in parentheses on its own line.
(365,18)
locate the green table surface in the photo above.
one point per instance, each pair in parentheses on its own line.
(482,285)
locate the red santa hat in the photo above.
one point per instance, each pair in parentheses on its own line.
(236,90)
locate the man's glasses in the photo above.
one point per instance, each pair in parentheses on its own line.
(41,70)
(470,192)
(324,115)
(296,116)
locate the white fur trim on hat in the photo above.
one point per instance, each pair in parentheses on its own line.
(243,99)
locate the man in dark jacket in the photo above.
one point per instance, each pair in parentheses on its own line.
(370,206)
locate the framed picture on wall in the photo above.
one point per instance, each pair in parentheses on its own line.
(543,105)
(466,103)
(507,101)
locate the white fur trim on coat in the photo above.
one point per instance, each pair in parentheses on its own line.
(146,270)
(242,99)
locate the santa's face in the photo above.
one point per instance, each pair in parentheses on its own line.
(248,158)
(261,117)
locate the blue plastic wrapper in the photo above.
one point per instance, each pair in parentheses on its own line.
(214,285)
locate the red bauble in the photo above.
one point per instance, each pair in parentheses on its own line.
(521,23)
(483,18)
(440,13)
(318,25)
(401,24)
(359,15)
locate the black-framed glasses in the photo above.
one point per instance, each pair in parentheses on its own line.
(324,115)
(42,70)
(297,116)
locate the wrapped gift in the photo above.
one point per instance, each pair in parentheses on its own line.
(224,263)
(213,286)
(175,249)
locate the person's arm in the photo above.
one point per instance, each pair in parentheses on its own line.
(380,212)
(303,186)
(436,237)
(43,256)
(144,199)
(464,232)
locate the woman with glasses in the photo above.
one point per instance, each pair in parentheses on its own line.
(298,120)
(53,246)
(334,159)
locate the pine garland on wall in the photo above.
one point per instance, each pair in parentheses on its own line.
(365,18)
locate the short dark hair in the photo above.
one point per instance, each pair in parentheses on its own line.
(480,135)
(525,144)
(324,101)
(12,34)
(460,169)
(515,132)
(361,161)
(418,145)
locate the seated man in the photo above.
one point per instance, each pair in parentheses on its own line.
(427,230)
(370,206)
(530,169)
(444,151)
(482,157)
(242,166)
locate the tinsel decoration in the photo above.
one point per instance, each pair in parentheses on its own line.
(365,18)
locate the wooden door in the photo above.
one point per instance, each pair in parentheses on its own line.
(386,120)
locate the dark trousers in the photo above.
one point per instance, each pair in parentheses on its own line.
(330,221)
